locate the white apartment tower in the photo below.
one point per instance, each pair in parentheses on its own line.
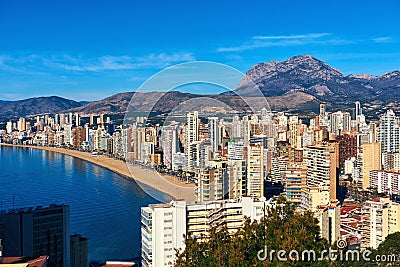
(388,132)
(340,122)
(164,225)
(213,133)
(192,135)
(358,110)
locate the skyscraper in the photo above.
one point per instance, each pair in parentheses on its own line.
(79,251)
(295,180)
(340,122)
(388,132)
(213,133)
(21,124)
(9,127)
(39,231)
(70,117)
(358,110)
(322,110)
(255,170)
(164,225)
(322,162)
(347,147)
(77,120)
(192,135)
(62,119)
(371,160)
(91,119)
(380,218)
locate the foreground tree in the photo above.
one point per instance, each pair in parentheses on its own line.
(387,253)
(281,229)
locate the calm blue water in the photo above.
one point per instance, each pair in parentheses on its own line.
(104,206)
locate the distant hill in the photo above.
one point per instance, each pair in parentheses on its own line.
(169,101)
(36,105)
(154,101)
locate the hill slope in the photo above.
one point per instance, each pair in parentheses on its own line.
(37,105)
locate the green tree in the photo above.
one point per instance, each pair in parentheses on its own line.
(281,229)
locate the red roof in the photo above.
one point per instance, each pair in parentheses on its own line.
(32,262)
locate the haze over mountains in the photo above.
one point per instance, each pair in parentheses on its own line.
(299,83)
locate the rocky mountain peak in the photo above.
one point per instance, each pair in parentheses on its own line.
(299,69)
(364,76)
(390,75)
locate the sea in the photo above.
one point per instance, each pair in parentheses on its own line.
(104,206)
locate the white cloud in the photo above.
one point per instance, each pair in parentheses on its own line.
(26,63)
(105,63)
(285,37)
(384,39)
(285,40)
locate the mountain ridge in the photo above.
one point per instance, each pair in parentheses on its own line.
(312,76)
(36,105)
(300,82)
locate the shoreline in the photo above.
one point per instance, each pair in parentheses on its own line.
(167,184)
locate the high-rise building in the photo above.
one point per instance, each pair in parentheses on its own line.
(340,122)
(39,231)
(314,196)
(380,217)
(255,170)
(213,133)
(389,133)
(169,144)
(237,174)
(9,127)
(391,161)
(70,118)
(322,163)
(295,180)
(139,138)
(211,183)
(77,120)
(371,160)
(347,147)
(236,128)
(164,225)
(21,124)
(235,149)
(322,110)
(57,119)
(329,221)
(387,182)
(79,251)
(91,119)
(62,120)
(358,110)
(101,118)
(192,133)
(78,136)
(294,131)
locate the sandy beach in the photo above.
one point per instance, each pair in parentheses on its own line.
(172,186)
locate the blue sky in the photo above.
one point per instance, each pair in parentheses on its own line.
(87,50)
